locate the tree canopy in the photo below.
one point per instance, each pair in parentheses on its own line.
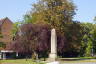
(73,38)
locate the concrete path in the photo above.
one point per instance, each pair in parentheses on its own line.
(71,62)
(81,63)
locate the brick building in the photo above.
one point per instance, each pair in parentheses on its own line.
(6,27)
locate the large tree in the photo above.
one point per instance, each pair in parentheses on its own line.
(88,39)
(59,15)
(32,38)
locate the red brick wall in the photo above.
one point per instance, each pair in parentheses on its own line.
(6,30)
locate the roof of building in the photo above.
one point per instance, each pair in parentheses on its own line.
(3,20)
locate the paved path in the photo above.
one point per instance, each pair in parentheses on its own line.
(72,63)
(81,63)
(91,61)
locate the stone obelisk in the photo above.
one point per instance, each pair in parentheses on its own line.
(53,54)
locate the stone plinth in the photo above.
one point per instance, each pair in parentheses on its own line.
(53,54)
(54,62)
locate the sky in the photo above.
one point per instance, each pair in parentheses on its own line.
(16,9)
(86,10)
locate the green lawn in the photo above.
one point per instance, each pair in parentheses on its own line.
(19,61)
(79,59)
(29,61)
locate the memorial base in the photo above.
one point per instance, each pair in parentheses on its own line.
(52,57)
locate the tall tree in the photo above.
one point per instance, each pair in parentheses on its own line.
(59,15)
(54,12)
(88,39)
(32,38)
(88,51)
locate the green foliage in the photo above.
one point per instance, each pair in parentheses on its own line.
(2,45)
(88,40)
(81,37)
(16,26)
(59,15)
(29,19)
(1,36)
(54,12)
(88,48)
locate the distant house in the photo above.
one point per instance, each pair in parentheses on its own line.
(6,27)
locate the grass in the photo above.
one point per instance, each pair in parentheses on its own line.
(19,61)
(79,58)
(79,61)
(87,57)
(30,61)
